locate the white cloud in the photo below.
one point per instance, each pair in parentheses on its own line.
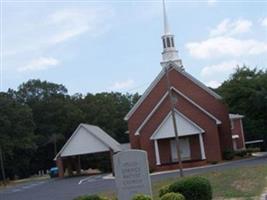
(230,28)
(211,2)
(55,27)
(213,83)
(219,69)
(121,85)
(226,46)
(39,64)
(74,22)
(264,22)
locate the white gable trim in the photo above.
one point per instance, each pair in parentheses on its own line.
(198,106)
(107,141)
(183,116)
(157,79)
(145,94)
(184,96)
(67,143)
(151,113)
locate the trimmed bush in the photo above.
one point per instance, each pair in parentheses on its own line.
(90,197)
(164,190)
(172,196)
(142,197)
(241,153)
(228,154)
(253,150)
(193,188)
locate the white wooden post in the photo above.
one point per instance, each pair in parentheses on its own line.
(157,152)
(202,148)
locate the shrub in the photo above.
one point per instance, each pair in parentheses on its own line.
(90,197)
(172,196)
(228,154)
(142,197)
(253,150)
(241,153)
(214,162)
(164,190)
(193,188)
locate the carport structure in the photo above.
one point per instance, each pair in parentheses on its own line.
(86,139)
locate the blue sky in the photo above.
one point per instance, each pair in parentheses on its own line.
(96,46)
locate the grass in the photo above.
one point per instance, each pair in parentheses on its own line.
(26,180)
(244,183)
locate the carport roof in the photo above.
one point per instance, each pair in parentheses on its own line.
(88,139)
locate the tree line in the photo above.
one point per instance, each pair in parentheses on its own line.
(38,117)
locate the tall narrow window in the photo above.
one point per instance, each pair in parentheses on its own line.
(164,44)
(168,42)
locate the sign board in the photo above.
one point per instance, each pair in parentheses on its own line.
(131,174)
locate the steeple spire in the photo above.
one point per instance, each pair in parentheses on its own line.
(165,18)
(169,54)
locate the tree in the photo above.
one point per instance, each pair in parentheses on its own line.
(16,136)
(107,111)
(246,93)
(54,114)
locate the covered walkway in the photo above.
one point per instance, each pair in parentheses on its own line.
(86,139)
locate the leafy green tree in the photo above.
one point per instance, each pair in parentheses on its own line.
(16,136)
(107,111)
(246,93)
(54,115)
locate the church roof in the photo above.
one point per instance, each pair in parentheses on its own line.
(88,139)
(158,78)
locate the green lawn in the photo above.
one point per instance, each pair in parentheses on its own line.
(246,182)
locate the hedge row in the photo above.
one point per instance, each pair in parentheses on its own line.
(192,188)
(189,188)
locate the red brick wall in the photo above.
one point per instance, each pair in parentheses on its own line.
(237,130)
(208,102)
(214,139)
(210,137)
(164,151)
(195,147)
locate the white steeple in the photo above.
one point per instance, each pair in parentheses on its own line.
(169,54)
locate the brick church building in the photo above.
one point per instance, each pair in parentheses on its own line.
(204,125)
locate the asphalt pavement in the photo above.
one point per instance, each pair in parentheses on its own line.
(69,188)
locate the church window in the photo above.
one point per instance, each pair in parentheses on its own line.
(168,42)
(164,43)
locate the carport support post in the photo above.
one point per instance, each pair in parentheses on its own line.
(111,160)
(78,165)
(60,166)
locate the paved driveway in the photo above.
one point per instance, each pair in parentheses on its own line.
(68,188)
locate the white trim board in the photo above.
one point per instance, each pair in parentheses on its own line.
(188,127)
(97,135)
(137,132)
(158,78)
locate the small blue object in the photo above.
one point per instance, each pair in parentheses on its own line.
(53,172)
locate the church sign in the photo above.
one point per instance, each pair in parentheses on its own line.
(131,174)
